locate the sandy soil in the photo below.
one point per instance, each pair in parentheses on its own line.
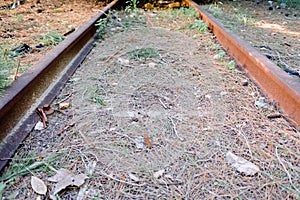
(29,22)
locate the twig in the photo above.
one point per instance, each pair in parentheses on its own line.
(64,99)
(174,129)
(286,171)
(240,132)
(124,135)
(43,116)
(162,103)
(17,71)
(110,57)
(121,181)
(247,142)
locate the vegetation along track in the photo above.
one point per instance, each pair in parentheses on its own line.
(280,87)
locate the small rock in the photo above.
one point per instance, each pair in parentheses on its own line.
(152,65)
(159,173)
(260,103)
(123,61)
(208,96)
(245,82)
(140,142)
(39,126)
(242,165)
(223,93)
(133,177)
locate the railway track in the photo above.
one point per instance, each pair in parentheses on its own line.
(41,84)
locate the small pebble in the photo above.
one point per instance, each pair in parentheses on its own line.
(245,82)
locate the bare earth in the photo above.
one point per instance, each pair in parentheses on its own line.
(27,23)
(152,115)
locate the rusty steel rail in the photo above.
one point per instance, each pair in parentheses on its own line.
(275,83)
(41,84)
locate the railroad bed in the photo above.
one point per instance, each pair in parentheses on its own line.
(152,113)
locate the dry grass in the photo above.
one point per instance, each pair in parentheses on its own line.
(184,110)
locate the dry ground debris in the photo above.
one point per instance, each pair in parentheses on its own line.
(155,111)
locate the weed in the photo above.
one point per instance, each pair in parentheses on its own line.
(101,24)
(18,18)
(29,163)
(215,46)
(231,65)
(100,101)
(6,67)
(220,55)
(131,5)
(199,25)
(95,95)
(191,12)
(244,18)
(215,9)
(144,53)
(52,38)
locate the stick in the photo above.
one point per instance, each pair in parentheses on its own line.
(162,103)
(113,54)
(174,129)
(286,171)
(121,181)
(17,71)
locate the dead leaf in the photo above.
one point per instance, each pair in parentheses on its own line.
(242,165)
(147,141)
(38,185)
(39,126)
(64,105)
(65,178)
(159,173)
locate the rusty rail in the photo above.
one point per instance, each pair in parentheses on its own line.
(41,84)
(275,83)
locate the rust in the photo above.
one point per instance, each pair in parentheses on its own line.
(274,82)
(41,84)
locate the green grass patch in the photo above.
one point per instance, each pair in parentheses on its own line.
(144,53)
(199,25)
(30,163)
(51,38)
(7,66)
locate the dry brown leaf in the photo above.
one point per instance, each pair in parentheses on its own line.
(64,105)
(38,185)
(242,165)
(65,178)
(147,141)
(60,131)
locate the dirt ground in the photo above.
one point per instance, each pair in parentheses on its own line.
(29,22)
(152,114)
